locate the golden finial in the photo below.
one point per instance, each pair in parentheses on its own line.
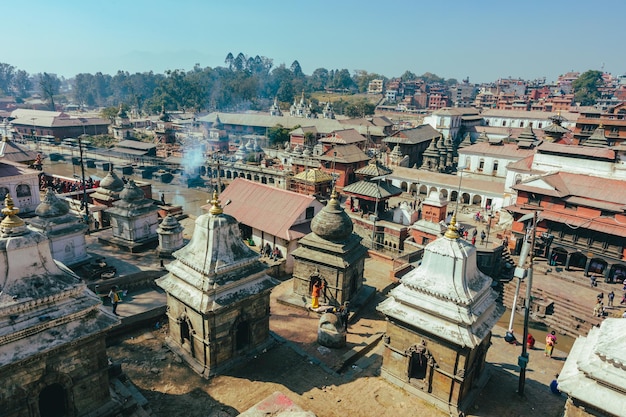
(452,232)
(10,214)
(216,208)
(600,126)
(334,195)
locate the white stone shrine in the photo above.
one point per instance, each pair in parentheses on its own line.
(65,232)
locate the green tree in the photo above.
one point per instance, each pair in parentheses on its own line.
(7,73)
(21,84)
(110,113)
(586,87)
(360,108)
(278,135)
(49,85)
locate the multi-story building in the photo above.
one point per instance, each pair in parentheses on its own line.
(612,120)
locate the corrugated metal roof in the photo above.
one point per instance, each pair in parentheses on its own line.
(372,189)
(583,151)
(346,154)
(10,151)
(416,135)
(135,144)
(267,208)
(324,126)
(313,175)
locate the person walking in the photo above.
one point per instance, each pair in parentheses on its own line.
(610,297)
(115,299)
(483,235)
(550,342)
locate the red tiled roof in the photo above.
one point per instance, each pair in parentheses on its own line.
(523,165)
(267,208)
(606,225)
(509,150)
(589,187)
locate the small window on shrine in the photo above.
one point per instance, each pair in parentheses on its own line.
(418,366)
(242,338)
(309,212)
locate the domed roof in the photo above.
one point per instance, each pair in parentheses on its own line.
(112,182)
(51,206)
(131,192)
(332,222)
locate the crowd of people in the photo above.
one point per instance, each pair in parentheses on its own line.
(62,186)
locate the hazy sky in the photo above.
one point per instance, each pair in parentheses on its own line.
(484,40)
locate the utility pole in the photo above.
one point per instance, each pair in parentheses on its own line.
(523,358)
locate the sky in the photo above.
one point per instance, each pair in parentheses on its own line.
(482,40)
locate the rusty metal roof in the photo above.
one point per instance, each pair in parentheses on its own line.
(274,211)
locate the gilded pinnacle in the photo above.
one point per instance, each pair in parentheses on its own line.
(216,208)
(10,214)
(452,232)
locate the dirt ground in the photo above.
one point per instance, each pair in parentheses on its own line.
(173,389)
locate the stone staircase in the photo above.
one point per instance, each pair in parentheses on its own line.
(558,312)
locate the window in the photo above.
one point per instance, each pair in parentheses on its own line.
(23,190)
(534,199)
(309,212)
(569,206)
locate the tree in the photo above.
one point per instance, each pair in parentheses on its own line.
(278,135)
(296,69)
(408,76)
(586,87)
(229,60)
(360,108)
(7,72)
(318,80)
(49,85)
(21,84)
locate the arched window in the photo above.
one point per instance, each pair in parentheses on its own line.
(23,190)
(4,191)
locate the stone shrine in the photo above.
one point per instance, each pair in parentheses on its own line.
(65,232)
(218,296)
(439,322)
(170,234)
(332,254)
(53,359)
(594,374)
(134,220)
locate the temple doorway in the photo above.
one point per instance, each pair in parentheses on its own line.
(53,401)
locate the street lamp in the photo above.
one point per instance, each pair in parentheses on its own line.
(458,193)
(378,195)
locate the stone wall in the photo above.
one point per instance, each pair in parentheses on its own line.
(213,337)
(79,367)
(450,373)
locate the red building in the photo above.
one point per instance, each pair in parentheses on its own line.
(582,221)
(613,121)
(343,162)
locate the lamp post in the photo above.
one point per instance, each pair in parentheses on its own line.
(378,195)
(523,358)
(458,193)
(84,203)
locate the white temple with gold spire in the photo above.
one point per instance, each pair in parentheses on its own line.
(439,322)
(52,331)
(218,295)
